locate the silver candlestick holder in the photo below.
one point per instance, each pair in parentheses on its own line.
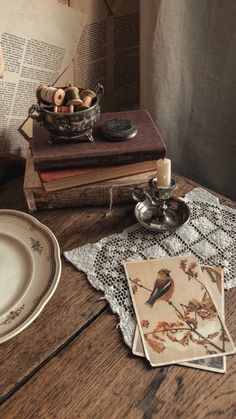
(158,210)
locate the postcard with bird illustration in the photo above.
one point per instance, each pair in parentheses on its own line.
(214,280)
(176,314)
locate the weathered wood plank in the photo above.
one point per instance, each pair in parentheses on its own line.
(75,304)
(97,376)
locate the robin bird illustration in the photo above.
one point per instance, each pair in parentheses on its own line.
(163,287)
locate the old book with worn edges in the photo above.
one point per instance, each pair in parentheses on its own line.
(146,145)
(56,180)
(102,193)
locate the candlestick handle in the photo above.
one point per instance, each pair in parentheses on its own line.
(157,210)
(140,195)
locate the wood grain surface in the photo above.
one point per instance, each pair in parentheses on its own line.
(71,362)
(95,375)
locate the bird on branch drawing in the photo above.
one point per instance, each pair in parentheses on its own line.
(163,288)
(195,312)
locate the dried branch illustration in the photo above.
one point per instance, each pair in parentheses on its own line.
(170,330)
(138,283)
(208,270)
(192,274)
(188,316)
(193,328)
(214,275)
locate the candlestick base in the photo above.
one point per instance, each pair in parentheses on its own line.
(158,210)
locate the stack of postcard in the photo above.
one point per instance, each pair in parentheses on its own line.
(179,306)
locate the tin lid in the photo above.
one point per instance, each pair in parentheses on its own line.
(119,130)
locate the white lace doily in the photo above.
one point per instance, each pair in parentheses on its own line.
(209,235)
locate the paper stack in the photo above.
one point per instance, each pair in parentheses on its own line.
(179,306)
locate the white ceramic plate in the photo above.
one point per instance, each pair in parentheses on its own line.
(30,268)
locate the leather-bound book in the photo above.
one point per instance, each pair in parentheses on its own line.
(56,180)
(146,145)
(115,191)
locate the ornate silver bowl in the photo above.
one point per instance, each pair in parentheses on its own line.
(68,126)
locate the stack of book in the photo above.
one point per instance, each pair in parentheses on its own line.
(84,173)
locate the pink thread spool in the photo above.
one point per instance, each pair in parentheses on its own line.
(63,109)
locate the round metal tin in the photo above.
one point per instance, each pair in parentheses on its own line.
(119,130)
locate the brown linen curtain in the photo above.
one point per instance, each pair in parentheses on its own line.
(188,83)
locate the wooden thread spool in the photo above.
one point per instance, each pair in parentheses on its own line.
(87,96)
(72,96)
(52,95)
(79,108)
(55,109)
(38,91)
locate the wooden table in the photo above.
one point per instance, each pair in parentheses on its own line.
(71,362)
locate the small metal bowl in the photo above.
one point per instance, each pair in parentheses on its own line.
(157,210)
(74,126)
(175,215)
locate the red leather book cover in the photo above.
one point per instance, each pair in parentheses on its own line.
(146,145)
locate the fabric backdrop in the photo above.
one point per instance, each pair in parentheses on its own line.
(188,84)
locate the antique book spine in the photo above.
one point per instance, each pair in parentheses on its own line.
(82,196)
(54,181)
(102,193)
(96,194)
(47,163)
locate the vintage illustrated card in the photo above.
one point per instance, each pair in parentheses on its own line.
(214,280)
(176,314)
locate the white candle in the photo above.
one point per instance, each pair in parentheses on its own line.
(163,172)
